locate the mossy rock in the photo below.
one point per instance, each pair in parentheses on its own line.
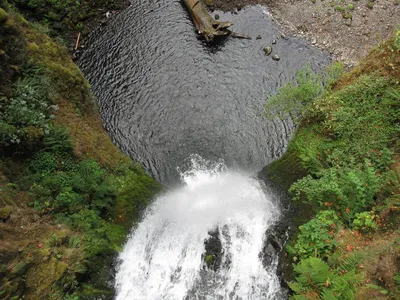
(3,16)
(286,170)
(5,213)
(209,259)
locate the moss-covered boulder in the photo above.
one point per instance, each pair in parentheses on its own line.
(284,171)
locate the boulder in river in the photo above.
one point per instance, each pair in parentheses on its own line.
(275,57)
(267,50)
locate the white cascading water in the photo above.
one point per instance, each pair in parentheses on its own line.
(164,257)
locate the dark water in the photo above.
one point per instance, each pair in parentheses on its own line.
(164,95)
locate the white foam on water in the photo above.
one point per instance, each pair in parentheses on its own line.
(164,256)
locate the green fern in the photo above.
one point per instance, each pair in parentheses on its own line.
(315,277)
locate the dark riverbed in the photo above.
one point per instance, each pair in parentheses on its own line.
(165,95)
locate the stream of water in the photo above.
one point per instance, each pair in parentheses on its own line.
(164,257)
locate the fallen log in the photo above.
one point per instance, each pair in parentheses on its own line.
(206,26)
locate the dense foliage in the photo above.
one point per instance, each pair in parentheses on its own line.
(68,197)
(346,146)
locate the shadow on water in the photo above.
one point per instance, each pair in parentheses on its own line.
(164,94)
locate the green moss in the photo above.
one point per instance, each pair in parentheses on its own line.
(5,212)
(347,15)
(350,6)
(286,170)
(370,4)
(3,16)
(339,8)
(209,259)
(33,47)
(43,275)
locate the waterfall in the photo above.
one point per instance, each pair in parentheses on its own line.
(164,258)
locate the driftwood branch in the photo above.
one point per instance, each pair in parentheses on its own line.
(206,26)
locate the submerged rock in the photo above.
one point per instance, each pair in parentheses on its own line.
(275,57)
(267,50)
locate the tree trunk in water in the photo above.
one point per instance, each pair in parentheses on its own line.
(209,28)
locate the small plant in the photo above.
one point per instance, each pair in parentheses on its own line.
(25,117)
(350,6)
(57,140)
(43,163)
(316,237)
(74,241)
(339,8)
(365,222)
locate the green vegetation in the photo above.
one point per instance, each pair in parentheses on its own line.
(292,98)
(317,279)
(343,164)
(68,196)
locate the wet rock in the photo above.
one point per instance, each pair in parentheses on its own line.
(275,57)
(258,37)
(276,237)
(272,253)
(213,250)
(267,50)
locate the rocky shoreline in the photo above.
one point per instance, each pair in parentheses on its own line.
(348,30)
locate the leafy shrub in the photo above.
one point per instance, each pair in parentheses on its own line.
(70,191)
(26,115)
(365,222)
(316,237)
(43,163)
(350,190)
(57,140)
(294,97)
